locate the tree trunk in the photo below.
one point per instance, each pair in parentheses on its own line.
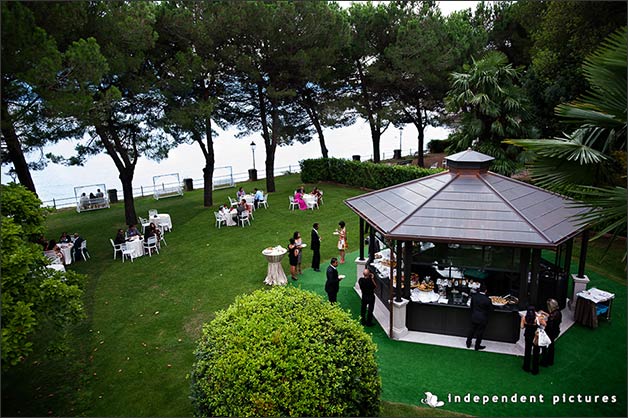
(420,128)
(319,130)
(376,140)
(208,170)
(126,177)
(14,149)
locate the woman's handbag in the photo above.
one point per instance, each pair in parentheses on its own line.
(541,338)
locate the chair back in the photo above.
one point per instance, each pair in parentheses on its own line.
(152,240)
(217,216)
(142,220)
(84,244)
(152,212)
(113,244)
(291,199)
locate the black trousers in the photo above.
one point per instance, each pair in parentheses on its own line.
(332,295)
(366,310)
(531,354)
(547,354)
(477,331)
(316,259)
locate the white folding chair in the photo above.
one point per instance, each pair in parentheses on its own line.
(250,209)
(84,250)
(142,220)
(244,217)
(219,220)
(293,204)
(116,248)
(321,198)
(150,245)
(162,234)
(264,201)
(232,202)
(127,252)
(152,212)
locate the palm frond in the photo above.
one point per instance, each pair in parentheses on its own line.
(608,209)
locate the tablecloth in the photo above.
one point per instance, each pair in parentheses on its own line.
(66,249)
(162,219)
(137,246)
(275,274)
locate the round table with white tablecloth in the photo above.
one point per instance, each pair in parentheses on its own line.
(163,220)
(66,249)
(275,275)
(310,200)
(136,244)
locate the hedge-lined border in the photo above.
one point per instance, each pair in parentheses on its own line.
(360,174)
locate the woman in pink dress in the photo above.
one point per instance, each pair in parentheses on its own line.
(298,197)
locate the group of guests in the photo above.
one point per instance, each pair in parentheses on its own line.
(533,323)
(258,196)
(300,192)
(151,230)
(231,217)
(86,201)
(65,238)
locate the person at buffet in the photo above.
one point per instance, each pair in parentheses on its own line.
(342,240)
(367,285)
(298,241)
(552,328)
(258,197)
(293,256)
(298,197)
(65,238)
(332,285)
(120,237)
(240,194)
(315,245)
(481,307)
(530,324)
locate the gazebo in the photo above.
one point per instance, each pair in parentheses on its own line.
(484,226)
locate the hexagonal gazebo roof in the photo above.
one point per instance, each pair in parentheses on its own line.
(469,204)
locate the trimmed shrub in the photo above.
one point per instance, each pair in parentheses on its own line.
(360,174)
(285,352)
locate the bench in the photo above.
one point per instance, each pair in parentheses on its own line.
(168,192)
(92,204)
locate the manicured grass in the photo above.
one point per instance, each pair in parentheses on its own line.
(132,355)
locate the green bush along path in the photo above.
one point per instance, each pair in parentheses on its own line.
(133,354)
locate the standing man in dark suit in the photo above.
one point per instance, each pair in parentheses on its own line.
(367,286)
(315,245)
(332,285)
(481,307)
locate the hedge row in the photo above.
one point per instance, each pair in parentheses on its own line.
(360,174)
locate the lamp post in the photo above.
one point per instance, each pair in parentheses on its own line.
(400,132)
(253,172)
(397,152)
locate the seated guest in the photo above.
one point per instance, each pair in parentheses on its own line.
(120,238)
(133,232)
(298,197)
(52,246)
(318,194)
(154,230)
(240,194)
(149,231)
(84,201)
(259,195)
(226,215)
(99,193)
(65,238)
(43,242)
(241,208)
(91,196)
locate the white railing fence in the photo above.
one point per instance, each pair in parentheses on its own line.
(223,178)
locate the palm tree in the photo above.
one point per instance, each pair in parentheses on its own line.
(492,108)
(590,163)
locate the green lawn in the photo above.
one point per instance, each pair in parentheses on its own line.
(132,355)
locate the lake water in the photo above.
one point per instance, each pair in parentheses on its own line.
(57,181)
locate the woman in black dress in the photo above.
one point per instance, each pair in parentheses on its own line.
(554,318)
(530,324)
(293,256)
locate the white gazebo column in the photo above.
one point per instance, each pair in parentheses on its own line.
(399,319)
(360,265)
(579,284)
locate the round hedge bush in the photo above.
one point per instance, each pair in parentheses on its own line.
(285,352)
